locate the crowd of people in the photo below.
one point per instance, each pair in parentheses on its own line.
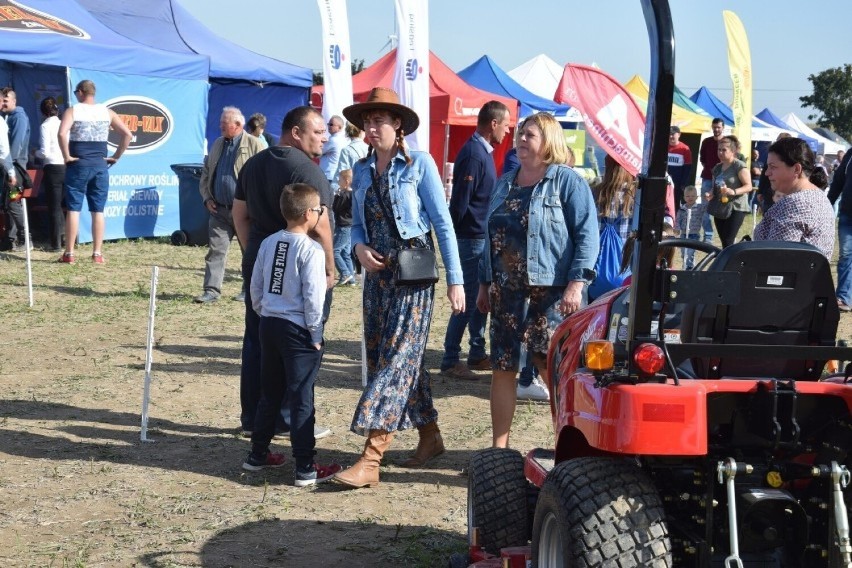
(345,202)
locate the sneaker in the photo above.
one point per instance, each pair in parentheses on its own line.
(320,432)
(206,298)
(98,258)
(270,460)
(483,364)
(346,281)
(459,371)
(536,391)
(315,474)
(843,307)
(241,297)
(67,258)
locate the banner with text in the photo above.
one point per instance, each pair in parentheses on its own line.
(167,120)
(612,117)
(411,76)
(336,62)
(739,61)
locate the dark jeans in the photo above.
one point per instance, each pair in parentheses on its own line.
(730,227)
(15,222)
(289,364)
(52,178)
(470,251)
(250,381)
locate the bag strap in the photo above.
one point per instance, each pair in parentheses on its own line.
(413,242)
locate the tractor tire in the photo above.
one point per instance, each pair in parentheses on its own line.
(599,512)
(497,499)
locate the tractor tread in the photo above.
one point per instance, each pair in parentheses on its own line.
(498,490)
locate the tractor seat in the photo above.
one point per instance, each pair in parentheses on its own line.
(786,298)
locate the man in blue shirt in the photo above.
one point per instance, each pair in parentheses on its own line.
(218,182)
(331,149)
(474,178)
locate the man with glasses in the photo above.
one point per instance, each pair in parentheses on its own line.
(227,157)
(331,150)
(257,215)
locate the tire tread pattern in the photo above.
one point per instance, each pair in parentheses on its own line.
(498,489)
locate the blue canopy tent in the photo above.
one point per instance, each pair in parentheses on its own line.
(485,74)
(760,130)
(47,46)
(770,117)
(238,76)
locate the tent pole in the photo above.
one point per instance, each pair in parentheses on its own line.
(446,157)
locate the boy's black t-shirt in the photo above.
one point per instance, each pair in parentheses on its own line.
(264,176)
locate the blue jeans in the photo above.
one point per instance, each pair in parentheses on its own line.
(844,261)
(688,253)
(470,250)
(707,186)
(342,255)
(528,370)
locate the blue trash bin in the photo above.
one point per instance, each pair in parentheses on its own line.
(193,215)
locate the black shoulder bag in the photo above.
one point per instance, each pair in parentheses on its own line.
(415,265)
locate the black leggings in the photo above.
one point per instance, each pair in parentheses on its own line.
(51,182)
(727,229)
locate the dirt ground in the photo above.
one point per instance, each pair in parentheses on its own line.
(80,489)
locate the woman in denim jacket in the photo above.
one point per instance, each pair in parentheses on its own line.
(541,248)
(397,199)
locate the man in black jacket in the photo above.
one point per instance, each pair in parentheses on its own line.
(841,186)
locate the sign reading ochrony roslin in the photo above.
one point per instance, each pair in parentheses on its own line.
(163,109)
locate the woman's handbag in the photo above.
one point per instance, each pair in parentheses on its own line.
(415,266)
(720,210)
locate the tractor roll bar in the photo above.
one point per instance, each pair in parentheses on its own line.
(648,217)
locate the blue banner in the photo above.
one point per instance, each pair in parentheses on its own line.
(167,120)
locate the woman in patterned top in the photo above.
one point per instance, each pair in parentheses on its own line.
(802,213)
(538,259)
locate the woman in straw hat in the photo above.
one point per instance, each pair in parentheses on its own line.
(397,200)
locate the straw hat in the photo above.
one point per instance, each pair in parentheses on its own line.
(382,99)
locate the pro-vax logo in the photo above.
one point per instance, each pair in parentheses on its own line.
(17,17)
(148,120)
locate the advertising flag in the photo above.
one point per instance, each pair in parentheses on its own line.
(612,117)
(411,76)
(337,63)
(739,60)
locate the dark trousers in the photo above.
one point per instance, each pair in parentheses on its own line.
(52,178)
(727,229)
(15,222)
(250,381)
(289,365)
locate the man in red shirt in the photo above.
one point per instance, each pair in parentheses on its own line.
(709,156)
(680,163)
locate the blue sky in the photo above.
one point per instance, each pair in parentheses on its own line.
(789,39)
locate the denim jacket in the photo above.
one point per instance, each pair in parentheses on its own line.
(562,235)
(418,202)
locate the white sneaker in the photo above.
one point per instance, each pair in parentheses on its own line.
(536,391)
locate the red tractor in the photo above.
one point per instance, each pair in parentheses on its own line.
(694,426)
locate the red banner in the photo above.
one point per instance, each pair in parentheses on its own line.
(612,117)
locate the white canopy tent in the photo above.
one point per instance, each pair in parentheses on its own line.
(541,75)
(826,146)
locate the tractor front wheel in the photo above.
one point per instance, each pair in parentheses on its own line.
(497,499)
(599,512)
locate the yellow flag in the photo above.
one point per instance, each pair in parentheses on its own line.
(739,60)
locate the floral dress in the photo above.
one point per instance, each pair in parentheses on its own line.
(513,321)
(396,327)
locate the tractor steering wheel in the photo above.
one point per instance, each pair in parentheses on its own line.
(701,246)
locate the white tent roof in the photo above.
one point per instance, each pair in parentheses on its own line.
(541,75)
(826,146)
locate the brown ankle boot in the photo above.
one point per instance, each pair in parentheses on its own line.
(365,472)
(430,445)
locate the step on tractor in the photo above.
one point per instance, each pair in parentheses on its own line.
(694,421)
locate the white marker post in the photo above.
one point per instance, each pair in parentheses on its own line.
(753,219)
(146,391)
(363,340)
(28,246)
